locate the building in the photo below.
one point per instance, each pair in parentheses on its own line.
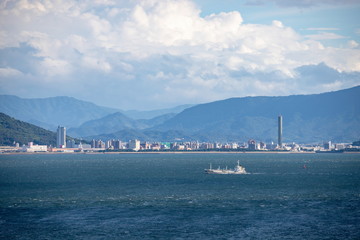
(117,144)
(252,145)
(134,145)
(327,145)
(280,131)
(34,148)
(262,145)
(70,143)
(93,142)
(109,144)
(271,146)
(61,137)
(340,146)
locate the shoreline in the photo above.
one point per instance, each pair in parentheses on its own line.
(175,152)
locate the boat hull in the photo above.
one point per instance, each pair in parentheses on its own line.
(237,170)
(213,171)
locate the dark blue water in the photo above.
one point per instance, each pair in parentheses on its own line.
(167,196)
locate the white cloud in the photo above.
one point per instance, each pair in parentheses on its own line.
(159,49)
(325,36)
(9,72)
(353,44)
(304,3)
(51,67)
(95,63)
(322,29)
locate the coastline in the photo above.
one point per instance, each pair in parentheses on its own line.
(172,152)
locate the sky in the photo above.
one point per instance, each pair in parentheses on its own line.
(152,54)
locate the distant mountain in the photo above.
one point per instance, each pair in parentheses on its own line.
(71,112)
(115,122)
(51,112)
(333,116)
(12,130)
(156,120)
(155,113)
(306,118)
(108,124)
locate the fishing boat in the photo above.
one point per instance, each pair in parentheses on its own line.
(237,170)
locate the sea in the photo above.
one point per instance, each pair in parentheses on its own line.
(168,196)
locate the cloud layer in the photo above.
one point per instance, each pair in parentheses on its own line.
(158,53)
(303,3)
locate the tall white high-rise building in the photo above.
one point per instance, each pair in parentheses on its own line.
(280,131)
(61,137)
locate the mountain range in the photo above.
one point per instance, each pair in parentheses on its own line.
(67,111)
(321,117)
(51,112)
(115,122)
(306,118)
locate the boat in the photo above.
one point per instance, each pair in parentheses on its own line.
(237,170)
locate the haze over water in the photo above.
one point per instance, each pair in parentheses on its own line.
(168,196)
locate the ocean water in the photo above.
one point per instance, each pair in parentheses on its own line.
(168,196)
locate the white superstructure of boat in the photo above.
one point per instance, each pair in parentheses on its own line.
(237,170)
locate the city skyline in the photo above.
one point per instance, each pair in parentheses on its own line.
(159,54)
(308,118)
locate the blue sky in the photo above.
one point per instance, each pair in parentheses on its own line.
(306,17)
(150,54)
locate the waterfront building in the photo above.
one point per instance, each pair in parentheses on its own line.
(194,145)
(101,144)
(61,137)
(206,146)
(327,145)
(226,146)
(165,146)
(34,148)
(340,146)
(148,146)
(70,143)
(97,143)
(262,145)
(271,146)
(116,144)
(109,145)
(134,145)
(154,146)
(179,147)
(234,146)
(252,145)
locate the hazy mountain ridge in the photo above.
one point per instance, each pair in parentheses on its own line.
(115,122)
(307,118)
(72,113)
(51,112)
(135,114)
(321,117)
